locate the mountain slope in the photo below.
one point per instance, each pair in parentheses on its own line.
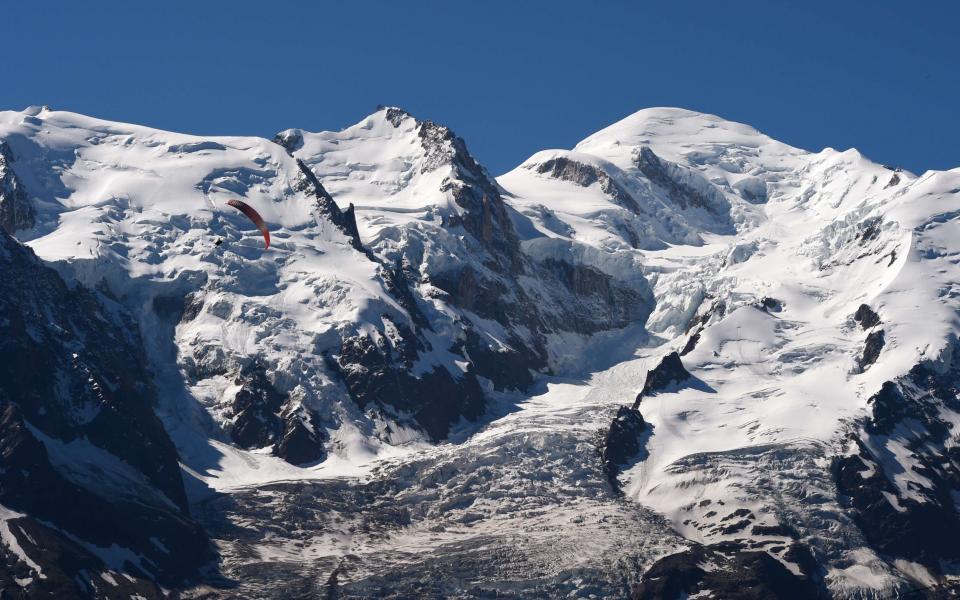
(674,353)
(783,372)
(91,490)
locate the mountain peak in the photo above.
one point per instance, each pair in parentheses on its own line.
(675,133)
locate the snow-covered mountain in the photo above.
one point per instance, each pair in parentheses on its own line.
(681,357)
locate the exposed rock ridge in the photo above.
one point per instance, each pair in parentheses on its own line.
(686,188)
(345,220)
(622,443)
(16,212)
(586,175)
(670,371)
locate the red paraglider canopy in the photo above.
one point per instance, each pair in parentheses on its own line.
(253,216)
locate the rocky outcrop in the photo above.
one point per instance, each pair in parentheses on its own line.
(291,140)
(622,442)
(916,519)
(770,305)
(263,417)
(866,317)
(668,373)
(302,442)
(715,310)
(691,344)
(378,372)
(730,571)
(82,454)
(344,220)
(894,180)
(871,349)
(684,187)
(586,175)
(16,212)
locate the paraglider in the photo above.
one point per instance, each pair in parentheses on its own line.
(254,216)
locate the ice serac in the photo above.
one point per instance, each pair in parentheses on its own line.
(87,467)
(16,212)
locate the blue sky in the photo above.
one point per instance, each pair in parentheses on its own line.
(510,77)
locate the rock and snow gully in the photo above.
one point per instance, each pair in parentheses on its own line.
(681,359)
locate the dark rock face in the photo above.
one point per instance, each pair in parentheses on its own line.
(585,176)
(622,442)
(378,373)
(16,212)
(771,305)
(728,571)
(888,408)
(345,220)
(685,188)
(262,417)
(82,453)
(51,331)
(872,348)
(670,371)
(76,576)
(586,294)
(165,546)
(507,368)
(691,344)
(866,317)
(774,530)
(195,147)
(302,440)
(922,523)
(291,140)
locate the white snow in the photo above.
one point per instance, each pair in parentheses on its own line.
(10,541)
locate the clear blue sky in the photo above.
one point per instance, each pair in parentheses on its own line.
(510,77)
